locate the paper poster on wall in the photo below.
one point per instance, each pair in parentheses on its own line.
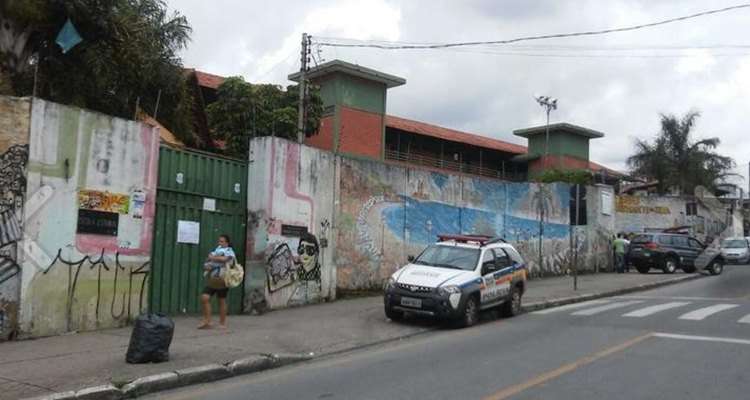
(209,204)
(188,232)
(606,199)
(103,201)
(137,204)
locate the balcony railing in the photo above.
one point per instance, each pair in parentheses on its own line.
(416,159)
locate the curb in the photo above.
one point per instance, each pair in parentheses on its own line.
(181,377)
(540,305)
(261,362)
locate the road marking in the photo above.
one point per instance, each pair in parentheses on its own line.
(702,338)
(562,370)
(571,306)
(745,319)
(644,312)
(600,309)
(679,298)
(704,312)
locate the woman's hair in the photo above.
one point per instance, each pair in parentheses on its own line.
(226,237)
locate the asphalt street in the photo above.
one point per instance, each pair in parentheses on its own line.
(687,341)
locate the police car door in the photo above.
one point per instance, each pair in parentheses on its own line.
(487,290)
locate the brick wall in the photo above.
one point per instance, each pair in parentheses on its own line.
(361,133)
(325,136)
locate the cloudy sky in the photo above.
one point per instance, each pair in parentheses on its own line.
(618,83)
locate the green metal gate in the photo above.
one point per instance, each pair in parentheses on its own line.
(194,188)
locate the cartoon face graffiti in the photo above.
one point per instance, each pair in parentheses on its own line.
(308,255)
(308,250)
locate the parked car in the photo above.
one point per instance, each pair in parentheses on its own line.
(670,251)
(736,250)
(457,277)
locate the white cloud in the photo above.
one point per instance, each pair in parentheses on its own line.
(617,83)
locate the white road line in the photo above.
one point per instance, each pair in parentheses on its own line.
(571,306)
(745,319)
(677,298)
(644,312)
(704,312)
(701,338)
(597,310)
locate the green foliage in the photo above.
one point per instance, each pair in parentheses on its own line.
(128,54)
(675,160)
(579,176)
(243,110)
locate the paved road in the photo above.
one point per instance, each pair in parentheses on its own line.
(688,341)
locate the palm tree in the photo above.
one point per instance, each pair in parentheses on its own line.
(674,160)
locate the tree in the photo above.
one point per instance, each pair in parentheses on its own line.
(674,160)
(127,56)
(243,110)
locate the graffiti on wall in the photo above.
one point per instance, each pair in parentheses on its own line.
(81,162)
(13,163)
(632,205)
(300,271)
(103,201)
(109,274)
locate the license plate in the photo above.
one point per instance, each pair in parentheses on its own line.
(410,302)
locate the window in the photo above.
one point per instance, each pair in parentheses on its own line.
(503,260)
(665,240)
(643,239)
(514,256)
(681,241)
(695,244)
(488,262)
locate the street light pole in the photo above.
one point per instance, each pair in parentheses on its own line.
(549,104)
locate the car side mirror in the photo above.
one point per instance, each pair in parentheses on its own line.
(410,259)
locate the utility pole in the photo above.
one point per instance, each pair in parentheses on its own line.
(301,109)
(575,232)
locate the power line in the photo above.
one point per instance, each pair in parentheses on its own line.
(406,46)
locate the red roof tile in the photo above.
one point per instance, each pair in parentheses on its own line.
(452,135)
(209,80)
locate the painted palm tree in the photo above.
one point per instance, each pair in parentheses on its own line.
(674,160)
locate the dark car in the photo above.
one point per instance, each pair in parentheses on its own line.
(670,251)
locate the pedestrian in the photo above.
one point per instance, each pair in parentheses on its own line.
(213,271)
(628,238)
(620,245)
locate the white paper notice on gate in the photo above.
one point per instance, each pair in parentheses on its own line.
(188,232)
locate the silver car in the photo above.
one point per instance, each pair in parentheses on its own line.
(736,250)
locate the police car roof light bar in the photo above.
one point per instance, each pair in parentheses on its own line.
(480,239)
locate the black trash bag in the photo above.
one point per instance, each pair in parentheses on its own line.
(150,340)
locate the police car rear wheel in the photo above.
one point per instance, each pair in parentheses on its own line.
(512,307)
(470,315)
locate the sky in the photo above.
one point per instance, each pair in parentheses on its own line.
(618,83)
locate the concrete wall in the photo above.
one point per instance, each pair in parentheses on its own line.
(644,213)
(368,216)
(291,190)
(84,164)
(14,153)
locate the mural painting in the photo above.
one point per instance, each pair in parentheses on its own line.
(389,212)
(86,250)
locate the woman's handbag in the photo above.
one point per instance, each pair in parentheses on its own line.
(233,274)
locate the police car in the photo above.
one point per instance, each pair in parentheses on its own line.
(457,277)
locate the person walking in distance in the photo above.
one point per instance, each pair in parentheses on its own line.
(620,245)
(214,268)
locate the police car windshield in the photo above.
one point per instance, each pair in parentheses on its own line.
(449,257)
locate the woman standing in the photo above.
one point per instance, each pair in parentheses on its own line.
(213,268)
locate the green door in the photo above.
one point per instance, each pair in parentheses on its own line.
(199,197)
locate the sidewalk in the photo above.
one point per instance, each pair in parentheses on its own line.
(70,362)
